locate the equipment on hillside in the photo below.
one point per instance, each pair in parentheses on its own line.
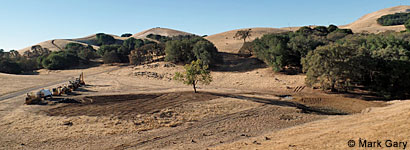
(32,99)
(65,89)
(74,84)
(57,91)
(45,93)
(81,79)
(38,97)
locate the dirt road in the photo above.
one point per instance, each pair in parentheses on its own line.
(27,90)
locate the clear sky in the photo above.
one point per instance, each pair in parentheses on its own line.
(28,22)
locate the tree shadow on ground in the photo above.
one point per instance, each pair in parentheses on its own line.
(360,93)
(278,102)
(231,62)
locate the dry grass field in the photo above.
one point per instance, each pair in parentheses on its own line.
(247,106)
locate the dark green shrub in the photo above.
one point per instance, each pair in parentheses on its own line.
(332,28)
(104,39)
(146,53)
(305,30)
(159,38)
(111,57)
(330,66)
(107,48)
(407,25)
(191,49)
(9,66)
(320,31)
(206,52)
(60,60)
(394,19)
(84,52)
(273,50)
(126,35)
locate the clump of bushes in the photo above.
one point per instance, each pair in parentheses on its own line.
(147,53)
(340,61)
(394,19)
(159,38)
(126,35)
(14,63)
(378,62)
(60,60)
(84,52)
(9,66)
(72,55)
(284,51)
(104,39)
(120,53)
(191,49)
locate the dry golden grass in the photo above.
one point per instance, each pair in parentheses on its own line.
(368,23)
(373,124)
(160,31)
(226,43)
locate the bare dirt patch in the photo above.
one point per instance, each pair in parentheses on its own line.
(337,104)
(127,106)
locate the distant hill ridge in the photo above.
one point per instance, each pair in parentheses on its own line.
(224,41)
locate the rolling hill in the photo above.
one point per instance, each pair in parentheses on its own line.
(57,44)
(160,31)
(368,23)
(226,43)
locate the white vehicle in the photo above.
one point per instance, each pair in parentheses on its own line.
(45,93)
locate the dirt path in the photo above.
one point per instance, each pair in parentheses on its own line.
(22,92)
(52,42)
(120,110)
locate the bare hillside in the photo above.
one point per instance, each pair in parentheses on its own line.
(383,123)
(226,43)
(58,44)
(368,23)
(53,45)
(160,31)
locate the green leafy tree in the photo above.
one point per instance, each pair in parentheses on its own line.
(60,60)
(273,50)
(305,30)
(330,66)
(8,66)
(159,38)
(205,51)
(107,48)
(179,51)
(301,45)
(243,34)
(84,52)
(320,31)
(111,57)
(394,19)
(190,49)
(194,74)
(332,28)
(407,25)
(104,39)
(36,51)
(132,43)
(2,53)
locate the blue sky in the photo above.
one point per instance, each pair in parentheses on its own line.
(28,22)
